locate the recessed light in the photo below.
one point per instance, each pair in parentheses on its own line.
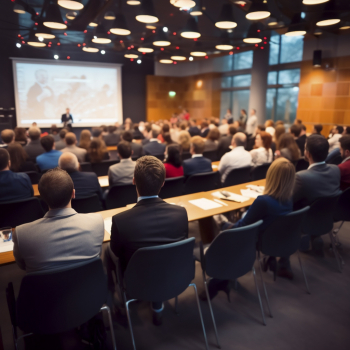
(130,55)
(90,49)
(145,49)
(56,57)
(166,61)
(178,58)
(133,2)
(198,53)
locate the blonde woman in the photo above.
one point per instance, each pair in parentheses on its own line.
(184,140)
(85,139)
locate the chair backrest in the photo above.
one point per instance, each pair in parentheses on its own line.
(34,177)
(173,187)
(212,155)
(60,300)
(237,176)
(282,237)
(319,219)
(202,182)
(159,156)
(186,155)
(86,205)
(342,210)
(101,169)
(20,212)
(301,164)
(232,253)
(335,160)
(160,273)
(86,167)
(120,196)
(260,171)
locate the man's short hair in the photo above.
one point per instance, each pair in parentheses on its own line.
(261,127)
(295,129)
(111,129)
(318,128)
(34,133)
(149,175)
(56,188)
(127,136)
(298,121)
(68,162)
(198,144)
(70,138)
(155,133)
(232,130)
(345,142)
(318,147)
(47,142)
(240,139)
(124,149)
(303,127)
(63,133)
(340,129)
(4,158)
(96,132)
(7,135)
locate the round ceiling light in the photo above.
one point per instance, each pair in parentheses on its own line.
(146,13)
(151,27)
(53,18)
(224,47)
(226,19)
(109,16)
(93,24)
(100,36)
(18,9)
(166,61)
(120,31)
(198,53)
(133,2)
(196,13)
(183,3)
(191,30)
(161,43)
(43,32)
(253,35)
(344,27)
(258,10)
(71,4)
(252,40)
(130,55)
(178,58)
(328,22)
(71,15)
(296,33)
(99,40)
(36,43)
(272,24)
(90,49)
(119,26)
(147,19)
(145,49)
(314,2)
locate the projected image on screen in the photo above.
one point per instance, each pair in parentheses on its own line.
(44,91)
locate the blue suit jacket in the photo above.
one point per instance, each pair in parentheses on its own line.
(14,186)
(197,165)
(154,148)
(86,184)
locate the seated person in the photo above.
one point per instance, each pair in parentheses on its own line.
(317,129)
(122,173)
(137,134)
(97,151)
(223,128)
(173,161)
(34,147)
(85,183)
(193,129)
(262,152)
(225,141)
(154,147)
(71,147)
(197,164)
(62,238)
(334,140)
(7,137)
(112,138)
(237,158)
(345,165)
(288,148)
(59,145)
(19,159)
(13,186)
(211,143)
(136,148)
(20,136)
(49,159)
(85,139)
(150,222)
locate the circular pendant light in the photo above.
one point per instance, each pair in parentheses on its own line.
(34,41)
(330,15)
(145,49)
(43,32)
(19,9)
(146,13)
(53,18)
(258,10)
(183,3)
(314,2)
(253,36)
(161,39)
(71,4)
(90,49)
(328,22)
(178,58)
(226,19)
(224,47)
(344,27)
(296,27)
(198,53)
(191,29)
(109,16)
(133,2)
(93,24)
(100,36)
(166,61)
(71,15)
(131,55)
(197,10)
(119,26)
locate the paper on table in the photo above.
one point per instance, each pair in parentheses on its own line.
(259,189)
(250,193)
(6,247)
(205,204)
(104,182)
(108,224)
(233,197)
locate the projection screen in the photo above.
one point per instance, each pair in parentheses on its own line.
(45,88)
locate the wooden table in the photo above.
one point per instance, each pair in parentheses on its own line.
(112,148)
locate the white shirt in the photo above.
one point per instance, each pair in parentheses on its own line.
(260,156)
(252,123)
(237,158)
(223,129)
(334,142)
(270,130)
(197,155)
(315,164)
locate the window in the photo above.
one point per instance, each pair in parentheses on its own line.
(242,80)
(243,60)
(272,78)
(240,100)
(290,76)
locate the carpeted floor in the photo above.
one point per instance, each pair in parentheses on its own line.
(300,321)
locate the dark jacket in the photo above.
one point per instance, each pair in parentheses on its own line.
(34,149)
(14,186)
(86,184)
(301,144)
(154,148)
(224,145)
(112,139)
(197,165)
(194,131)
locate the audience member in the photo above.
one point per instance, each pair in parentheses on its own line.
(136,148)
(185,140)
(237,158)
(193,129)
(59,145)
(288,148)
(71,147)
(97,151)
(85,183)
(302,139)
(154,147)
(137,134)
(173,161)
(150,222)
(345,165)
(85,139)
(34,147)
(112,138)
(317,129)
(346,130)
(223,128)
(19,159)
(270,127)
(295,130)
(21,136)
(147,133)
(252,123)
(204,129)
(225,142)
(243,117)
(211,143)
(167,139)
(228,116)
(279,131)
(122,173)
(13,186)
(49,159)
(54,132)
(334,140)
(165,129)
(239,126)
(197,164)
(298,121)
(63,238)
(262,152)
(97,133)
(279,122)
(7,137)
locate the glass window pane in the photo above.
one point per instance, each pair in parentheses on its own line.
(290,76)
(225,103)
(242,80)
(226,82)
(287,102)
(242,60)
(274,49)
(240,100)
(270,103)
(272,78)
(291,48)
(222,64)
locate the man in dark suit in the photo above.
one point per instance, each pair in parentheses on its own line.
(85,184)
(112,138)
(197,164)
(67,119)
(204,129)
(13,186)
(150,222)
(193,129)
(137,148)
(345,164)
(154,147)
(225,141)
(34,147)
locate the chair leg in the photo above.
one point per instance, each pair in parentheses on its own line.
(211,310)
(263,282)
(302,269)
(257,290)
(110,324)
(127,302)
(200,315)
(176,306)
(335,251)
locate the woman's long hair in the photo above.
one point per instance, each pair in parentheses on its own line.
(17,155)
(96,150)
(174,155)
(287,141)
(85,139)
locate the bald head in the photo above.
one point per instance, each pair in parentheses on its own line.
(69,162)
(7,136)
(239,139)
(70,139)
(34,133)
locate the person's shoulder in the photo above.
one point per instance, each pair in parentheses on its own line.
(90,219)
(88,175)
(207,160)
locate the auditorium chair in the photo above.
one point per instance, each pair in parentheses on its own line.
(186,155)
(160,157)
(57,301)
(86,167)
(173,187)
(86,205)
(101,169)
(336,160)
(158,274)
(237,176)
(212,155)
(20,212)
(202,182)
(259,172)
(34,177)
(231,255)
(120,196)
(301,164)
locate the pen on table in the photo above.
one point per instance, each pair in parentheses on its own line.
(217,201)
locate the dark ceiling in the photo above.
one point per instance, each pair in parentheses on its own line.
(169,16)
